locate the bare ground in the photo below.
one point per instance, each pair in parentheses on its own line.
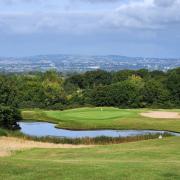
(10,144)
(160,114)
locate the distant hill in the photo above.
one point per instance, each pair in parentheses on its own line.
(81,63)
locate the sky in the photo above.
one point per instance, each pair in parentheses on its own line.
(149,28)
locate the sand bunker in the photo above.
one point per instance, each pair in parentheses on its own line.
(10,144)
(161,115)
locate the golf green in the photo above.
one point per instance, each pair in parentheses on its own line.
(103,118)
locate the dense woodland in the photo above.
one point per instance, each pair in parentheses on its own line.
(53,90)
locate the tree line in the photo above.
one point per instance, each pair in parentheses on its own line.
(54,90)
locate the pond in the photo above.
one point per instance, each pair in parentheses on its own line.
(42,129)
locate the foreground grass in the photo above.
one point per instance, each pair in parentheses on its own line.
(108,118)
(151,160)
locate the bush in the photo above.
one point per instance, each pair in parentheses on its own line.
(3,132)
(57,106)
(9,116)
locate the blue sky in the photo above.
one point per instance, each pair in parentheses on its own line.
(125,27)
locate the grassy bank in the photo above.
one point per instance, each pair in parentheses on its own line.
(105,118)
(153,159)
(101,140)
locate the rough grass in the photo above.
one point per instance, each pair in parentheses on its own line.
(151,160)
(3,132)
(11,144)
(108,118)
(100,140)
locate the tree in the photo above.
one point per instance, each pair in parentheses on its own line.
(154,93)
(77,80)
(101,96)
(8,91)
(125,94)
(53,88)
(122,75)
(30,90)
(9,117)
(96,78)
(122,94)
(156,74)
(9,114)
(173,84)
(143,73)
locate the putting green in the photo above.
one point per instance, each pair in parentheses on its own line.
(103,118)
(90,114)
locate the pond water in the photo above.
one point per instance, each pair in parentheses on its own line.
(42,129)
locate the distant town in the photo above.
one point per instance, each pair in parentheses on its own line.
(82,63)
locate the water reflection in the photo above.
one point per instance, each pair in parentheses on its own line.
(41,129)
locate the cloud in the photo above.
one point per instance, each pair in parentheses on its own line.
(117,26)
(73,23)
(137,14)
(97,1)
(10,2)
(147,14)
(164,3)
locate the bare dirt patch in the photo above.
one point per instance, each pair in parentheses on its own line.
(161,115)
(10,144)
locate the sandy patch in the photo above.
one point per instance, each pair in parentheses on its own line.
(161,114)
(10,144)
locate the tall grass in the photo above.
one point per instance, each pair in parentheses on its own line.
(101,140)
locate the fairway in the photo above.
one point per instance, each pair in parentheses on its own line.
(151,160)
(104,118)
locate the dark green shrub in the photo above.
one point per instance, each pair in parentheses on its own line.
(9,116)
(3,132)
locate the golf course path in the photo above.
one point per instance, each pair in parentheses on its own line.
(10,144)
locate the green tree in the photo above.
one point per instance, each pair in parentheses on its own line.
(126,94)
(53,88)
(122,75)
(8,91)
(9,114)
(173,84)
(30,90)
(9,117)
(101,96)
(122,94)
(143,73)
(97,78)
(154,93)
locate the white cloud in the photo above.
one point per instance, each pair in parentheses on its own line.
(147,14)
(74,23)
(139,14)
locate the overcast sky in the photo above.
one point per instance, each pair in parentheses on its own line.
(125,27)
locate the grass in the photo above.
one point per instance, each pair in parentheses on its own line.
(151,160)
(100,140)
(3,132)
(109,118)
(156,159)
